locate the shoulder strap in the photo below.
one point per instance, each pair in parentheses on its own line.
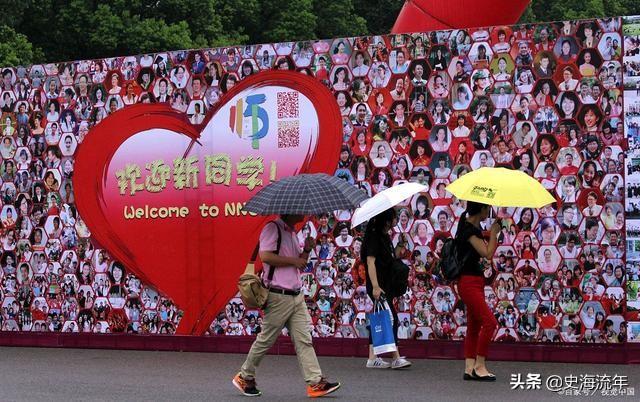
(272,270)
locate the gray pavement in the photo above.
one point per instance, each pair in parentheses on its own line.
(32,374)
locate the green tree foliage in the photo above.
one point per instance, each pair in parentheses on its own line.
(558,10)
(338,18)
(15,48)
(379,14)
(284,20)
(57,30)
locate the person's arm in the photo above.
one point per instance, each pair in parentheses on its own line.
(487,250)
(373,276)
(275,260)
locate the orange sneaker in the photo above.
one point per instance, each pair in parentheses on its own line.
(322,388)
(247,387)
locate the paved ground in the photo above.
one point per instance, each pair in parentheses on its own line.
(30,374)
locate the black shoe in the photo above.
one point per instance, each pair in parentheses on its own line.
(486,378)
(467,377)
(247,387)
(322,388)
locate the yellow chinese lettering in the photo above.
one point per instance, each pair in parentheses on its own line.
(250,168)
(185,173)
(160,174)
(217,169)
(127,177)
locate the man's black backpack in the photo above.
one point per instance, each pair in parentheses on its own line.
(452,259)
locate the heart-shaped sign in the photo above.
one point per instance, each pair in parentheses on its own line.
(164,197)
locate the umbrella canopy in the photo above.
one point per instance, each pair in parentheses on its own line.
(305,194)
(384,200)
(501,187)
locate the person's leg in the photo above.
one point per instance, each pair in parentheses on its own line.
(467,294)
(374,361)
(278,310)
(489,325)
(372,356)
(396,324)
(299,323)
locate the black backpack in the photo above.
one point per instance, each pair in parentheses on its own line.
(399,278)
(452,259)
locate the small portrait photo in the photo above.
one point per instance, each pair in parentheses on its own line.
(265,57)
(341,78)
(589,62)
(500,37)
(482,159)
(196,112)
(360,63)
(544,64)
(439,57)
(460,69)
(379,74)
(591,230)
(591,174)
(248,67)
(566,49)
(418,45)
(461,96)
(482,109)
(480,54)
(502,95)
(610,46)
(527,300)
(442,219)
(303,53)
(548,231)
(592,314)
(591,202)
(460,42)
(481,81)
(340,51)
(613,216)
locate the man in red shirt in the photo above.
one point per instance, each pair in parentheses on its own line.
(569,168)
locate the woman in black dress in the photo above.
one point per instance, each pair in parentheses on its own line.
(378,254)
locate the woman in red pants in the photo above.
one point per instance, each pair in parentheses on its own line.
(481,324)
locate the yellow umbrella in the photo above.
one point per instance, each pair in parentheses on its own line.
(501,187)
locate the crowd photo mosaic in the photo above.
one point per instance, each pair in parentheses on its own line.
(546,99)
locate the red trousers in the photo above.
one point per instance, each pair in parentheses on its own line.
(481,324)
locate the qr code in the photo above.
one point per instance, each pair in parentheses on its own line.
(288,134)
(288,105)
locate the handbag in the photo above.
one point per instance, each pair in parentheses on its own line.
(381,321)
(251,287)
(399,277)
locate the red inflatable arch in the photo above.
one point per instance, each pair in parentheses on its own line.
(431,15)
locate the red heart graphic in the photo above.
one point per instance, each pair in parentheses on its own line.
(196,260)
(456,14)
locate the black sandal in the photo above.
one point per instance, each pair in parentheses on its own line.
(485,378)
(467,377)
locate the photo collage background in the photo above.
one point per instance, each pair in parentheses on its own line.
(631,81)
(545,99)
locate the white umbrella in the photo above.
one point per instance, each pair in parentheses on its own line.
(384,200)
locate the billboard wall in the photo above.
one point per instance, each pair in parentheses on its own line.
(546,99)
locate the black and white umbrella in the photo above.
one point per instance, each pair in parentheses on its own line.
(306,194)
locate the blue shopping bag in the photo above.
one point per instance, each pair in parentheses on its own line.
(381,322)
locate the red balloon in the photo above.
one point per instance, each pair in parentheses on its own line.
(432,15)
